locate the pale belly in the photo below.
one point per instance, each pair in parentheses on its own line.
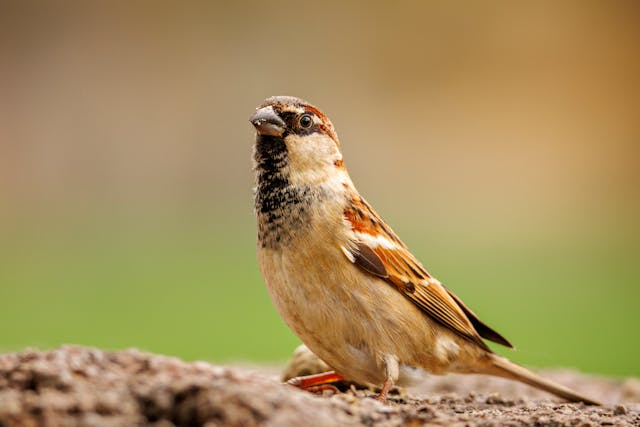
(352,320)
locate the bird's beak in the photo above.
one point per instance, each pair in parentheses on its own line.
(267,122)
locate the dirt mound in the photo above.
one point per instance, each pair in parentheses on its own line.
(74,386)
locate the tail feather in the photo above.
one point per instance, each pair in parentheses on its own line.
(504,368)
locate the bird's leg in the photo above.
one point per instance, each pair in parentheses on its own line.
(382,396)
(392,370)
(316,382)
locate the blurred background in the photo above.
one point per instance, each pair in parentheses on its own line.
(500,139)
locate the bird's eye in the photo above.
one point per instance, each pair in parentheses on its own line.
(305,121)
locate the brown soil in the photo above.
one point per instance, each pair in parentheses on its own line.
(74,386)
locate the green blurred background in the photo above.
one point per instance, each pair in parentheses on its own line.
(500,139)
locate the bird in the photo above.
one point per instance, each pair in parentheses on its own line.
(341,278)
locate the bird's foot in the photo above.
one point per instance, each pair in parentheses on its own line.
(320,389)
(317,383)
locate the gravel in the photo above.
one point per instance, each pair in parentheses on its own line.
(76,386)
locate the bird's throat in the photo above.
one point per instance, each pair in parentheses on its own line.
(282,209)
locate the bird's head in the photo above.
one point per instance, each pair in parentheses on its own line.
(297,138)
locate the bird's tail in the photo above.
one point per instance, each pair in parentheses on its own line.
(504,368)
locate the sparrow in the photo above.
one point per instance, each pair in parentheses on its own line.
(340,277)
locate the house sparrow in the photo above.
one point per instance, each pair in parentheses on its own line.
(340,277)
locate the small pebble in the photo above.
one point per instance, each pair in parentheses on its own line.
(620,410)
(494,399)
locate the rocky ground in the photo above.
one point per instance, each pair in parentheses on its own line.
(74,386)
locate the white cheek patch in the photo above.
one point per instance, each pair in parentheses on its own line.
(376,241)
(311,158)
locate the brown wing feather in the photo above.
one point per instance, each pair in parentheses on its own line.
(392,261)
(369,261)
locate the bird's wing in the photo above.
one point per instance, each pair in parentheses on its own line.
(377,250)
